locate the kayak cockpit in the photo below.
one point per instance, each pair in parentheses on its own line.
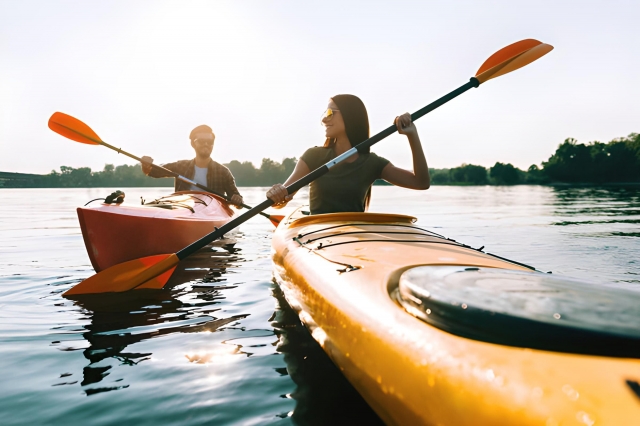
(524,309)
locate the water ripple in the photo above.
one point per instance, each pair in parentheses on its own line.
(220,345)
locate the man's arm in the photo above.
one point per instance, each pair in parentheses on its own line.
(156,172)
(231,189)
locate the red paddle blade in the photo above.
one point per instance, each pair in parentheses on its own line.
(511,58)
(146,272)
(72,128)
(276,219)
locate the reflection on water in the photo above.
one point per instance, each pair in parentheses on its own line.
(570,195)
(602,222)
(117,321)
(610,211)
(322,394)
(220,346)
(598,202)
(593,222)
(120,320)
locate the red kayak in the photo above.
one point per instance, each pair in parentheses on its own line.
(115,233)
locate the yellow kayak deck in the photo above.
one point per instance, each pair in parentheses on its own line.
(339,272)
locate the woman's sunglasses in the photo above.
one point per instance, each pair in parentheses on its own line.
(328,114)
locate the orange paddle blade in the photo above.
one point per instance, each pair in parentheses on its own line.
(146,272)
(506,53)
(524,59)
(512,57)
(72,128)
(157,283)
(276,219)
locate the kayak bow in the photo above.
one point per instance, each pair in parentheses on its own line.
(431,331)
(118,233)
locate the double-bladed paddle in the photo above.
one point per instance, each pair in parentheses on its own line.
(154,271)
(74,129)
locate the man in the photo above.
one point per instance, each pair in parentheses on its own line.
(201,169)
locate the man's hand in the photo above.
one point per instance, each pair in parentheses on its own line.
(146,164)
(236,200)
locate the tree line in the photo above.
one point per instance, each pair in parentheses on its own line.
(246,174)
(617,161)
(614,162)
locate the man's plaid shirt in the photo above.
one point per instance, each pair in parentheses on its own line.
(219,178)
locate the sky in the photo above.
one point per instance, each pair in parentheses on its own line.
(142,74)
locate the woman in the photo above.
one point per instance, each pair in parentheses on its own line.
(347,186)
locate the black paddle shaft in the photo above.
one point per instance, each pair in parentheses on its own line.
(304,181)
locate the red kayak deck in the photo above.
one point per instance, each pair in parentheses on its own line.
(117,233)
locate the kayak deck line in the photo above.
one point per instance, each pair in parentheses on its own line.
(189,195)
(170,206)
(373,224)
(364,232)
(425,232)
(412,372)
(347,267)
(350,267)
(167,202)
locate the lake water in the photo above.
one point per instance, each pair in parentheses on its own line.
(221,346)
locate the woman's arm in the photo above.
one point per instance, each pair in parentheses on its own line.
(419,178)
(278,192)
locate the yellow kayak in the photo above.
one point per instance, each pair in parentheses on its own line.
(434,332)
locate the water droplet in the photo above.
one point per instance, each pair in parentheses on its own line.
(585,418)
(571,392)
(490,375)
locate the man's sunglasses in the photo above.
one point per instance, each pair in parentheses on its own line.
(204,141)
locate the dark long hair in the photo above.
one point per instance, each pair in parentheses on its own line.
(356,125)
(356,120)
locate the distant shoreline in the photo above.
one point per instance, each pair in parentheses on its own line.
(30,181)
(573,164)
(462,184)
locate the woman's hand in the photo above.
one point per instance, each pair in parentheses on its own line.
(405,125)
(278,194)
(418,178)
(146,164)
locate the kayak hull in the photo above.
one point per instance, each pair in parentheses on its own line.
(414,373)
(118,233)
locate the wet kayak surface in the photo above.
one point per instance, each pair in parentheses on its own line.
(221,346)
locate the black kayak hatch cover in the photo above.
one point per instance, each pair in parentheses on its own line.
(525,309)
